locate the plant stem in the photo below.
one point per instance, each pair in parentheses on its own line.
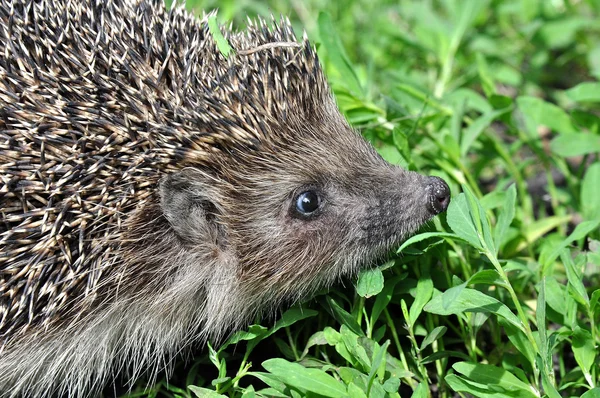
(520,312)
(412,383)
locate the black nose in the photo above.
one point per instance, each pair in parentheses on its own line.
(438,195)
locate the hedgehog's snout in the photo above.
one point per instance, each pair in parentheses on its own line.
(438,195)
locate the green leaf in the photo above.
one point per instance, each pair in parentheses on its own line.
(384,298)
(464,99)
(480,220)
(214,358)
(204,392)
(540,112)
(424,97)
(452,294)
(590,193)
(487,81)
(540,317)
(253,332)
(370,282)
(433,336)
(290,317)
(249,392)
(519,340)
(567,145)
(350,340)
(561,32)
(593,393)
(296,375)
(506,216)
(392,155)
(331,335)
(341,315)
(355,391)
(585,92)
(378,357)
(392,385)
(577,290)
(470,300)
(220,380)
(443,354)
(396,368)
(423,294)
(486,277)
(537,229)
(586,120)
(421,391)
(317,338)
(427,235)
(222,43)
(594,301)
(336,339)
(272,381)
(362,115)
(580,232)
(501,102)
(555,296)
(476,128)
(499,379)
(459,219)
(460,384)
(477,320)
(404,309)
(584,349)
(400,139)
(549,387)
(336,53)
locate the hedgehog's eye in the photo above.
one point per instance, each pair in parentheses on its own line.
(307,203)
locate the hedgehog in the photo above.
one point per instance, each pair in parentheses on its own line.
(156,192)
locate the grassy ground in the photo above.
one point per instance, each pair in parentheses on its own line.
(498,297)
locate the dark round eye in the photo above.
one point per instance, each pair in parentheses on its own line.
(307,202)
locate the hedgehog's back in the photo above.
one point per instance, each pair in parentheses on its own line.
(90,114)
(97,101)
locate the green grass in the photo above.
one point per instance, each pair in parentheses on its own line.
(500,296)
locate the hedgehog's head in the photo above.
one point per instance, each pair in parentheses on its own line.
(294,214)
(289,198)
(306,202)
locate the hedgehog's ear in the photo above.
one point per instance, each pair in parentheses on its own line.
(190,202)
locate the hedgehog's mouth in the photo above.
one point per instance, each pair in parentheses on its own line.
(387,233)
(386,248)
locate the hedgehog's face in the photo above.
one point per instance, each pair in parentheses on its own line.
(298,214)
